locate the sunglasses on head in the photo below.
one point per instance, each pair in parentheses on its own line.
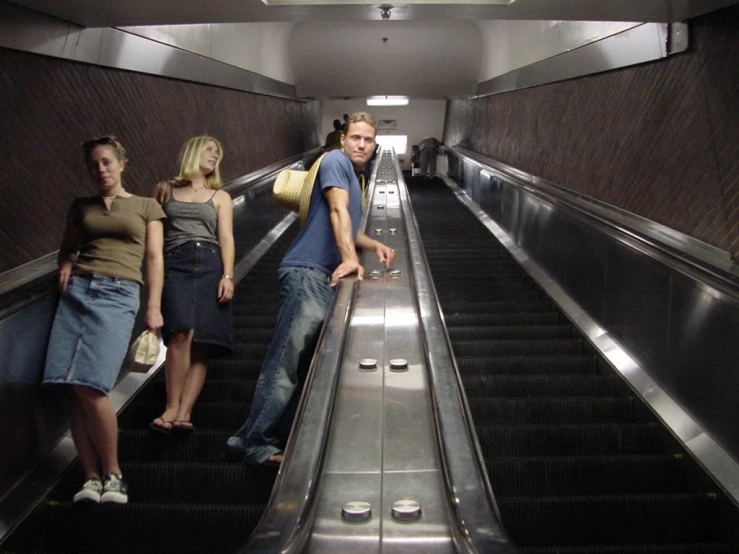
(90,144)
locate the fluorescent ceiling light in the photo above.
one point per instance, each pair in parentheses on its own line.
(375,2)
(387,101)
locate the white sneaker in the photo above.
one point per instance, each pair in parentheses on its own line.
(115,489)
(90,492)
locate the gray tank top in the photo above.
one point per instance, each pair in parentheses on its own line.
(188,221)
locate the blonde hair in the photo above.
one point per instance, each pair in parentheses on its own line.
(358,117)
(189,161)
(106,140)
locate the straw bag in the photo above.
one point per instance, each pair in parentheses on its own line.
(144,352)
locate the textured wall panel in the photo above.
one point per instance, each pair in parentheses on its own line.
(48,107)
(659,139)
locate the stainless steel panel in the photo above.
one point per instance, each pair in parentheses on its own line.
(382,446)
(430,533)
(21,29)
(355,443)
(640,44)
(330,533)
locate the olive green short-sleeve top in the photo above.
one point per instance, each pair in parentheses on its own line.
(112,242)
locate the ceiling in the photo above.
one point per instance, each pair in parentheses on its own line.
(100,13)
(428,51)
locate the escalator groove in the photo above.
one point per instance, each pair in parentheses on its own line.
(577,462)
(184,496)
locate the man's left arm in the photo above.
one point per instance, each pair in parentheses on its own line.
(385,254)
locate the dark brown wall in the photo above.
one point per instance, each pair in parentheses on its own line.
(48,107)
(659,140)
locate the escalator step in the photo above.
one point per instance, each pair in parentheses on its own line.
(150,528)
(493,332)
(523,347)
(485,386)
(570,440)
(527,364)
(454,320)
(592,475)
(613,520)
(691,548)
(551,411)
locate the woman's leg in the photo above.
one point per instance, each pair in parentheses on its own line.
(98,418)
(176,368)
(82,441)
(193,382)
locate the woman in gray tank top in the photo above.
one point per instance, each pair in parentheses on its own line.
(198,277)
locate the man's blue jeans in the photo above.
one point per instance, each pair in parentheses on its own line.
(305,297)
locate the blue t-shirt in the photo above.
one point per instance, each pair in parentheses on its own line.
(315,245)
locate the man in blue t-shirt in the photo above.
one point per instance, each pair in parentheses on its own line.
(324,252)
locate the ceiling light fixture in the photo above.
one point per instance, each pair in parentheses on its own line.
(387,101)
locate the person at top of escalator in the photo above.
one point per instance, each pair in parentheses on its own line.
(198,278)
(428,147)
(324,252)
(333,139)
(105,241)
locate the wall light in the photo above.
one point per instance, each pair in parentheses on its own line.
(387,101)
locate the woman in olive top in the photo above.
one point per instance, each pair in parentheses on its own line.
(198,277)
(105,241)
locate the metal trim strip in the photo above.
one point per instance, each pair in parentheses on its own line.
(29,31)
(643,43)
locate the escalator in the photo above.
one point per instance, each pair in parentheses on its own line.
(577,462)
(184,496)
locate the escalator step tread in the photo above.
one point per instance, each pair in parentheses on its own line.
(150,528)
(519,386)
(498,332)
(570,440)
(613,519)
(691,548)
(527,364)
(594,475)
(188,483)
(551,411)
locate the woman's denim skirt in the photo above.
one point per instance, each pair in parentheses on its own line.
(192,273)
(91,331)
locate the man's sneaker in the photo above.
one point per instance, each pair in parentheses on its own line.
(115,489)
(90,492)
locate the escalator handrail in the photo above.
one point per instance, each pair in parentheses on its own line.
(477,526)
(682,252)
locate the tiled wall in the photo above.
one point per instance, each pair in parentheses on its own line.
(50,106)
(660,139)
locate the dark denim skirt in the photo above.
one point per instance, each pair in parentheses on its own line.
(192,273)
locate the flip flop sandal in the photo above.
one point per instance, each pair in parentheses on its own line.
(161,426)
(181,426)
